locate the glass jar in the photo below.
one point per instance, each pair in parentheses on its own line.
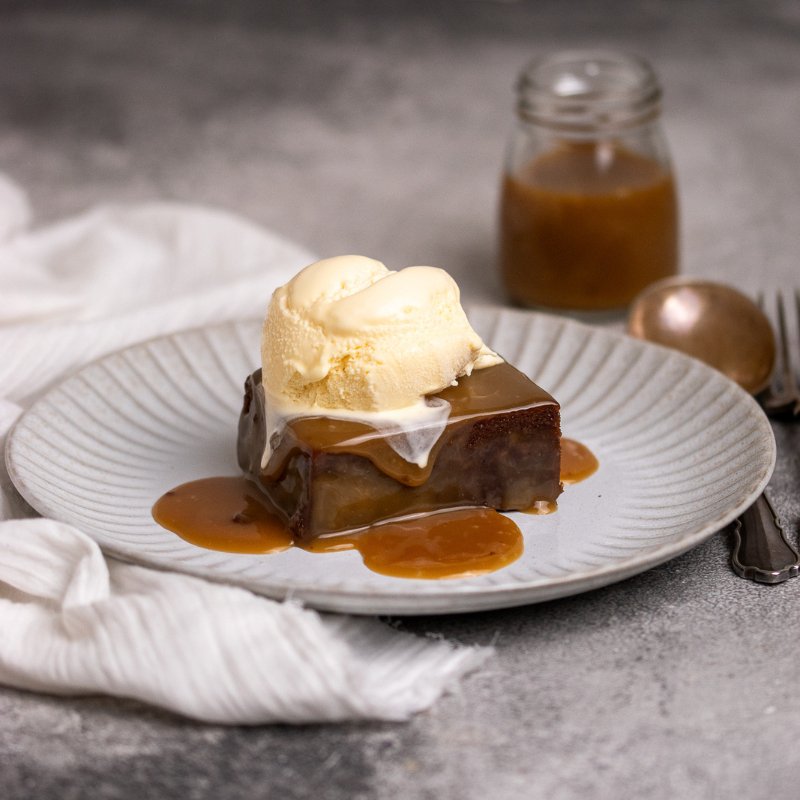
(588,212)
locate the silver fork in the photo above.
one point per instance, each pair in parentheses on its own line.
(761,551)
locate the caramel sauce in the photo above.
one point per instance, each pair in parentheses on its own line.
(233,515)
(577,461)
(230,514)
(451,544)
(586,226)
(541,508)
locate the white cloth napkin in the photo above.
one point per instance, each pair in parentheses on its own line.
(72,622)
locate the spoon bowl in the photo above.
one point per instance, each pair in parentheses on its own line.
(710,321)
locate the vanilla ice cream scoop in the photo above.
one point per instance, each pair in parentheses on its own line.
(348,334)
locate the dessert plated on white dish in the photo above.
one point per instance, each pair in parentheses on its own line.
(682,452)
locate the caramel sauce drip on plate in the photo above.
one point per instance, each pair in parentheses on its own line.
(451,544)
(230,514)
(233,515)
(578,462)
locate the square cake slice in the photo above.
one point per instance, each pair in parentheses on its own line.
(500,448)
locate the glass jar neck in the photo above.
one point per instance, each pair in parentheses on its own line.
(584,94)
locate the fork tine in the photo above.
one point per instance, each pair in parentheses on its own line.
(787,379)
(782,398)
(797,322)
(797,317)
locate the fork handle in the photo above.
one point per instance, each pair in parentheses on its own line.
(760,549)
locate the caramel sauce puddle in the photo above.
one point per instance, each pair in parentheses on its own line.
(578,462)
(230,514)
(459,543)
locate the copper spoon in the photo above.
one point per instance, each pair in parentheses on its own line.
(727,330)
(710,321)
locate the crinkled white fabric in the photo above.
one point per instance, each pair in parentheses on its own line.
(213,652)
(117,275)
(72,622)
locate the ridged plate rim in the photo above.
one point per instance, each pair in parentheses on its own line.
(395,596)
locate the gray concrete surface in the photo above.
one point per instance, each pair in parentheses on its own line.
(379,128)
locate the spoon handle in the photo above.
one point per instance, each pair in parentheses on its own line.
(760,549)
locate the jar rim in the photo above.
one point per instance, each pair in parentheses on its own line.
(583,90)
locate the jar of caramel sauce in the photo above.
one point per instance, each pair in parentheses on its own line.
(588,209)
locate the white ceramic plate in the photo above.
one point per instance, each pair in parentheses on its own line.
(682,452)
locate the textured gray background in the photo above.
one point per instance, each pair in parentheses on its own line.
(379,128)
